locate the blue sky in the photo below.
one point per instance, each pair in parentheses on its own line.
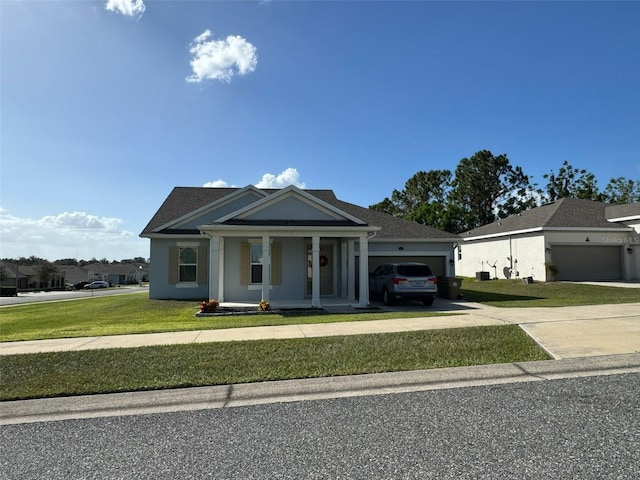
(106,106)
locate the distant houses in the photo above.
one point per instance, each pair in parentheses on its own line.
(29,277)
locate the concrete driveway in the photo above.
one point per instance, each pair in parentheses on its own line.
(570,332)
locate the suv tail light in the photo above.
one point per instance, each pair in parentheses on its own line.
(433,280)
(397,280)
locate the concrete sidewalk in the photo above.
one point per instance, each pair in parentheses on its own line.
(565,332)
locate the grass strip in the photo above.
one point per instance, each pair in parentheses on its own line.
(160,367)
(136,313)
(515,293)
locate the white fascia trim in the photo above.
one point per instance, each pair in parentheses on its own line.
(410,253)
(172,235)
(624,219)
(218,203)
(548,229)
(589,229)
(278,231)
(289,191)
(416,240)
(502,234)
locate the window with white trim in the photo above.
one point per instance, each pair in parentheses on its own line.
(188,265)
(256,263)
(251,258)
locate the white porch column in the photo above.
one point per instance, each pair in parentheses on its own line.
(364,271)
(221,270)
(351,280)
(315,269)
(214,266)
(343,268)
(266,267)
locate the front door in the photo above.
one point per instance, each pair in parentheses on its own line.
(326,269)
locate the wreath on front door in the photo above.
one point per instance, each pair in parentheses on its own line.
(324,261)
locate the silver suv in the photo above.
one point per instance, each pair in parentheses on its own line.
(409,280)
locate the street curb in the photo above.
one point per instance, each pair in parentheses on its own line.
(226,396)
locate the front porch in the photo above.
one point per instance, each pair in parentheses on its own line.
(289,269)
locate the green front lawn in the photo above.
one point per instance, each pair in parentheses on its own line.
(135,313)
(514,293)
(132,369)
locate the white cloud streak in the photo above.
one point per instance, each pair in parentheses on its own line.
(68,235)
(130,8)
(218,184)
(220,59)
(290,176)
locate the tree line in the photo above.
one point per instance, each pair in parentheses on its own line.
(34,260)
(486,187)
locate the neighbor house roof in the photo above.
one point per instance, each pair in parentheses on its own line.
(184,200)
(564,213)
(624,211)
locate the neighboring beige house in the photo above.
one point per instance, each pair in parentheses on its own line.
(585,240)
(117,273)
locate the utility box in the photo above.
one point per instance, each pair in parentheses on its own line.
(482,276)
(449,287)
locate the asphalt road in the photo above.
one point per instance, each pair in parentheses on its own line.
(585,428)
(30,297)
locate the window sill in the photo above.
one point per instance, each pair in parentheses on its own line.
(187,285)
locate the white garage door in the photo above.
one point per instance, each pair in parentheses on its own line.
(582,262)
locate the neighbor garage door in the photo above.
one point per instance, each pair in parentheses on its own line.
(437,264)
(581,262)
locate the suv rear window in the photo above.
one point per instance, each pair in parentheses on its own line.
(414,270)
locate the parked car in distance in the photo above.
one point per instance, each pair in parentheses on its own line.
(409,280)
(80,285)
(97,284)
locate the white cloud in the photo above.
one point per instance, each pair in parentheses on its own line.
(289,177)
(69,235)
(130,8)
(218,184)
(220,59)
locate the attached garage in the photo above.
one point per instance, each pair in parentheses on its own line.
(436,263)
(588,262)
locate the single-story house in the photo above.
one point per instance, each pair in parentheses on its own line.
(582,239)
(248,244)
(117,273)
(28,277)
(20,276)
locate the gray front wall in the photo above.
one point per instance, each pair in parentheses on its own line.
(159,286)
(293,284)
(292,267)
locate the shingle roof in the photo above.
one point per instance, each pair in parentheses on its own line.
(393,227)
(183,200)
(564,213)
(622,211)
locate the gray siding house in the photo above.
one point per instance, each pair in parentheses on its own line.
(585,240)
(291,245)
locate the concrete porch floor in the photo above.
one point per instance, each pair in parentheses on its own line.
(328,303)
